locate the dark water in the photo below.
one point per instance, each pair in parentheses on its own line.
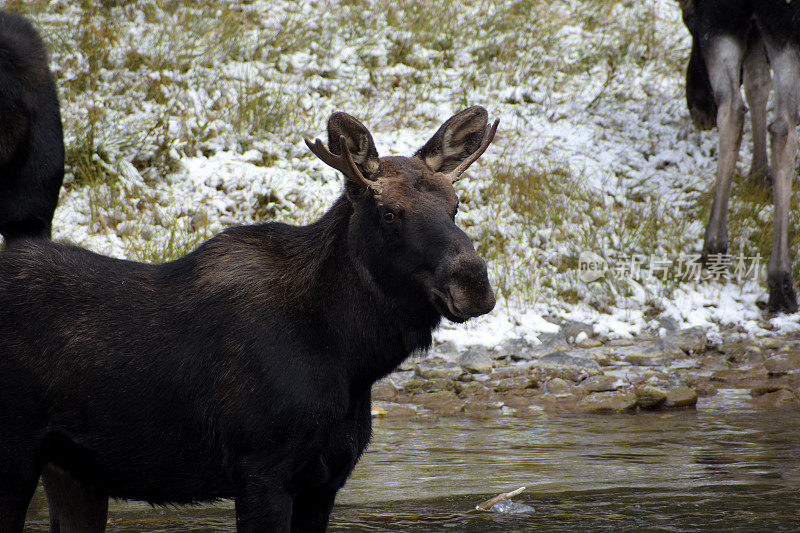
(724,466)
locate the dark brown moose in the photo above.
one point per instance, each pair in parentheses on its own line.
(242,370)
(735,42)
(31,138)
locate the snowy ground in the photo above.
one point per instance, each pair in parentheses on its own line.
(182,118)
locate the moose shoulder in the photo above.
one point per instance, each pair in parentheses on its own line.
(244,368)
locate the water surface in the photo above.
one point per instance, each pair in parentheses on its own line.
(723,466)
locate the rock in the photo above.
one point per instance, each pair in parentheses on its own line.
(766,388)
(690,340)
(516,401)
(650,395)
(564,366)
(476,360)
(621,342)
(446,348)
(516,349)
(669,324)
(474,391)
(739,352)
(588,343)
(604,402)
(438,370)
(657,353)
(428,385)
(517,383)
(784,363)
(779,398)
(601,383)
(740,378)
(444,403)
(680,396)
(551,342)
(393,410)
(772,344)
(384,390)
(512,371)
(572,329)
(557,386)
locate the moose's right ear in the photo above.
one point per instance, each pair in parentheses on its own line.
(359,143)
(456,140)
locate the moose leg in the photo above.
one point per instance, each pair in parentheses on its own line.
(263,502)
(757,85)
(312,509)
(783,135)
(18,478)
(724,59)
(74,507)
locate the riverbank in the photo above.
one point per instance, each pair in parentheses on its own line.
(574,370)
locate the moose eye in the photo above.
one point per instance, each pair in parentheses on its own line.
(388,216)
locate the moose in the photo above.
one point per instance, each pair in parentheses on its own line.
(735,41)
(31,136)
(243,369)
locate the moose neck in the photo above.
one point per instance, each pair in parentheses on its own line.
(372,325)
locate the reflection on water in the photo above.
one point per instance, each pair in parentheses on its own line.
(723,466)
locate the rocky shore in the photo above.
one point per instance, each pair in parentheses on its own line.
(574,371)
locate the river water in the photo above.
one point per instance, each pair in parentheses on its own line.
(724,466)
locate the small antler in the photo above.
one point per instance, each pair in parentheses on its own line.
(455,175)
(343,163)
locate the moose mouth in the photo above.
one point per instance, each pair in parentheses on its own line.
(446,306)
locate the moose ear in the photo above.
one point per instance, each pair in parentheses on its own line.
(455,141)
(359,143)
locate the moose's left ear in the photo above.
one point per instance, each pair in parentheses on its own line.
(456,140)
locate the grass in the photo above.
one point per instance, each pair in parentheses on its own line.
(151,84)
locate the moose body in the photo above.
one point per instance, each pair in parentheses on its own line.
(31,137)
(737,41)
(242,370)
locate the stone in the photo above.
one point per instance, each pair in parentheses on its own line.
(779,398)
(601,383)
(474,391)
(690,340)
(650,395)
(669,324)
(399,411)
(551,342)
(517,383)
(604,402)
(384,390)
(438,370)
(444,403)
(772,343)
(516,401)
(428,385)
(557,386)
(512,371)
(680,396)
(784,363)
(572,329)
(516,350)
(564,366)
(657,353)
(588,343)
(621,342)
(476,360)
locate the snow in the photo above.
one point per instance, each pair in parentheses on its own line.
(621,126)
